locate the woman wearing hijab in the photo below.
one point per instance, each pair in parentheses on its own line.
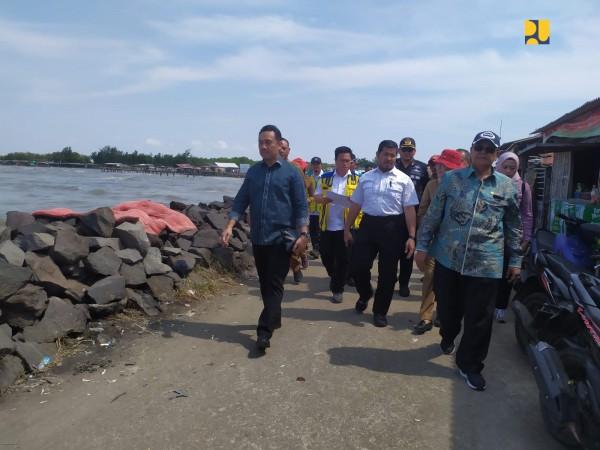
(508,164)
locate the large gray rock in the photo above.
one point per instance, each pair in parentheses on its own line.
(203,256)
(15,219)
(109,289)
(241,235)
(99,222)
(207,238)
(171,251)
(31,353)
(103,262)
(35,227)
(69,248)
(196,214)
(36,242)
(76,290)
(224,256)
(12,278)
(135,275)
(7,345)
(133,235)
(61,318)
(183,264)
(189,235)
(217,220)
(25,306)
(47,274)
(144,301)
(183,244)
(4,233)
(161,287)
(130,255)
(153,263)
(11,369)
(236,244)
(100,311)
(95,243)
(54,227)
(11,253)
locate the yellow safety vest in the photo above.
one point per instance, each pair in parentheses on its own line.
(326,185)
(313,207)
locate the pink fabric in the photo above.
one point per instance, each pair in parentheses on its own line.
(154,216)
(57,213)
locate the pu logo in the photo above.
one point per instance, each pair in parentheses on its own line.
(537,31)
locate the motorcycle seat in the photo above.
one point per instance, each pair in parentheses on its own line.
(561,267)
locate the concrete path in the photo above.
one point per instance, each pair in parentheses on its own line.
(330,381)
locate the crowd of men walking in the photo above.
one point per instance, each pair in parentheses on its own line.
(462,220)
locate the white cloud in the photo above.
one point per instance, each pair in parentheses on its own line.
(153,142)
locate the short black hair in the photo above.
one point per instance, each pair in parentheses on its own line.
(388,143)
(284,139)
(343,149)
(272,128)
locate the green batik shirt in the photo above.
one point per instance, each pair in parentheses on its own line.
(470,223)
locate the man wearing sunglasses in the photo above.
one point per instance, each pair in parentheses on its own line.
(473,217)
(417,171)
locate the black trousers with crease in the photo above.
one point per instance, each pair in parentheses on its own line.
(335,256)
(272,264)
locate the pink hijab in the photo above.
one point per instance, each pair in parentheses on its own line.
(510,155)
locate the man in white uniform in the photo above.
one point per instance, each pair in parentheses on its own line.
(387,198)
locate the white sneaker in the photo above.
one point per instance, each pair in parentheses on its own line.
(500,315)
(337,297)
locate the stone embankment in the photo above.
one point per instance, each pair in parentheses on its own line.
(58,275)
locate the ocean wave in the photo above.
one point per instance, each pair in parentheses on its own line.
(98,192)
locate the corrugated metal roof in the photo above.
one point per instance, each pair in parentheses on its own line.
(586,107)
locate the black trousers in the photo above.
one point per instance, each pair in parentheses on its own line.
(381,236)
(504,287)
(472,299)
(406,268)
(272,264)
(314,230)
(335,256)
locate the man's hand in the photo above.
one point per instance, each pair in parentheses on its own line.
(348,239)
(409,249)
(300,245)
(513,274)
(420,258)
(226,235)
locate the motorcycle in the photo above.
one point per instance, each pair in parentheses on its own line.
(557,323)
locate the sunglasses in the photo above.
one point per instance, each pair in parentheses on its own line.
(484,148)
(406,149)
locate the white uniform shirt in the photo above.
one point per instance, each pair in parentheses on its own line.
(385,193)
(335,222)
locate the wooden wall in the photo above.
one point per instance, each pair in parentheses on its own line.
(560,186)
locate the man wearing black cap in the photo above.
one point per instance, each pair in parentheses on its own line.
(417,171)
(314,209)
(472,219)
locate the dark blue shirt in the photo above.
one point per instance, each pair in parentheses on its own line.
(277,199)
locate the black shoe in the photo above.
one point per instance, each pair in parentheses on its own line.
(361,305)
(404,291)
(298,277)
(474,380)
(436,323)
(422,327)
(262,343)
(379,320)
(447,347)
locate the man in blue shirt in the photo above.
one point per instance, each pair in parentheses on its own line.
(473,217)
(274,190)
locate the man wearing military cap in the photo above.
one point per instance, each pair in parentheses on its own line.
(417,171)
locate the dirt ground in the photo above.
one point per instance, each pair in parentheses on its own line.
(331,380)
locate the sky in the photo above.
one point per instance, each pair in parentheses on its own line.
(205,75)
